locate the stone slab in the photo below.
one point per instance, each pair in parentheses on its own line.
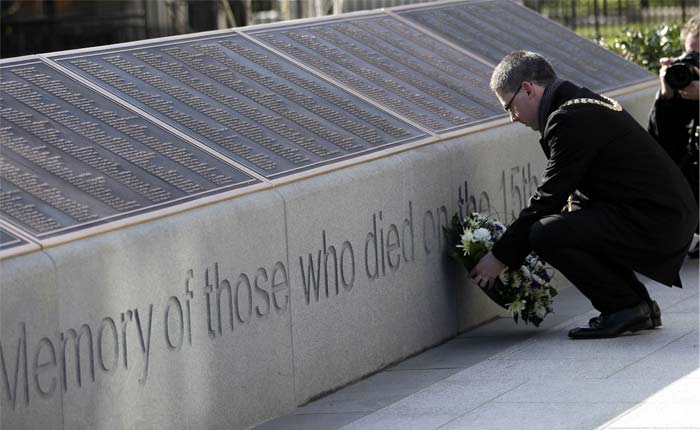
(633,347)
(638,103)
(376,392)
(13,243)
(331,278)
(539,399)
(189,319)
(397,382)
(683,353)
(687,306)
(457,354)
(363,404)
(494,171)
(543,368)
(676,415)
(405,420)
(310,422)
(670,297)
(436,405)
(31,388)
(603,391)
(539,416)
(383,296)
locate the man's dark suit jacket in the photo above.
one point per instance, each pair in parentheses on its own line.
(647,212)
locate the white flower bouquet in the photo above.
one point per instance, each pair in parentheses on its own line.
(526,292)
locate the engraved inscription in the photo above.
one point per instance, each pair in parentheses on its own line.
(71,158)
(413,74)
(226,302)
(34,367)
(516,186)
(480,27)
(246,102)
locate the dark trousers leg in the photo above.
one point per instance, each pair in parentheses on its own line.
(571,249)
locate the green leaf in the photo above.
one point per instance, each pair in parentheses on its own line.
(646,46)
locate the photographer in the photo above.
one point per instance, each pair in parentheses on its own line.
(674,117)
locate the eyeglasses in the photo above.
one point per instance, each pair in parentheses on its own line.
(510,102)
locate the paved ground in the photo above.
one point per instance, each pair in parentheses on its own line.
(507,376)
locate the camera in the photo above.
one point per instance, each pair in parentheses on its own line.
(681,72)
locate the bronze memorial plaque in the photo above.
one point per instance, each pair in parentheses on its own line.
(72,158)
(244,101)
(394,64)
(493,28)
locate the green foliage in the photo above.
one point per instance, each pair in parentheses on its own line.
(646,46)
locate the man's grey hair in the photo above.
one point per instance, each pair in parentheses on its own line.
(519,66)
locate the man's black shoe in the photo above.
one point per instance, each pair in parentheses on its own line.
(655,317)
(616,323)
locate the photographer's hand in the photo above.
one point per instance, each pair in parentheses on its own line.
(666,92)
(691,91)
(487,270)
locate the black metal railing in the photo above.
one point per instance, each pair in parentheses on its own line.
(606,18)
(111,21)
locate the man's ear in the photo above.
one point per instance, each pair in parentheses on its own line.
(532,89)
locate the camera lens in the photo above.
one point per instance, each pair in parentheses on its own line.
(678,76)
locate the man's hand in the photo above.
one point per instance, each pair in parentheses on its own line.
(487,270)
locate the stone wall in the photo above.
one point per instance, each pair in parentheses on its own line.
(232,313)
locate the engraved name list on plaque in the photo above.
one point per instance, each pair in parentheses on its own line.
(245,102)
(72,158)
(492,29)
(394,64)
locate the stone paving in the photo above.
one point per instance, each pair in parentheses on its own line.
(504,376)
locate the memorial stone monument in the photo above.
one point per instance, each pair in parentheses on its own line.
(206,231)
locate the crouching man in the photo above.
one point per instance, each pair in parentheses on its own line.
(639,214)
